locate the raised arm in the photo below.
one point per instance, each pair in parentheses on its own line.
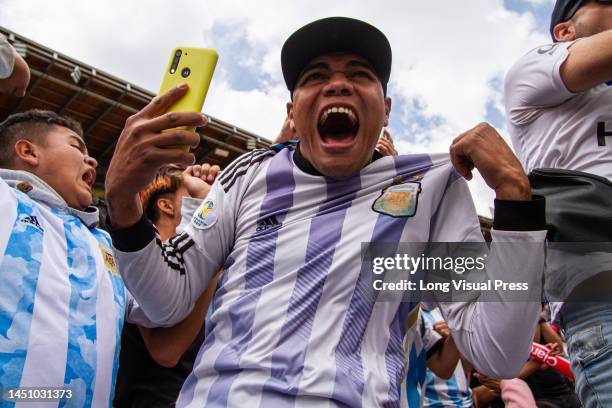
(494,336)
(589,60)
(165,279)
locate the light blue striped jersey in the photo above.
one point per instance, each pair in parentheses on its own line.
(454,392)
(62,301)
(418,343)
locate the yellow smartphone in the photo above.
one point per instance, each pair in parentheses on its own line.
(195,66)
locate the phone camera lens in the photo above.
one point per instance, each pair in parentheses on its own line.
(178,53)
(185,72)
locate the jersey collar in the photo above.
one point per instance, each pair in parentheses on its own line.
(308,168)
(40,191)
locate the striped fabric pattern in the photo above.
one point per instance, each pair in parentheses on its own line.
(291,326)
(454,392)
(61,304)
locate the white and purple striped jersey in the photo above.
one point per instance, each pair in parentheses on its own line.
(62,300)
(437,392)
(291,326)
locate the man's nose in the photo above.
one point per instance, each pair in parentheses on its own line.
(91,161)
(338,85)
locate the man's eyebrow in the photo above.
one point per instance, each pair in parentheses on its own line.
(317,65)
(356,63)
(79,141)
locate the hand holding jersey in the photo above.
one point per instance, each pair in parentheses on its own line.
(484,149)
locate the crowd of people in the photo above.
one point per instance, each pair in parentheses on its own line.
(247,286)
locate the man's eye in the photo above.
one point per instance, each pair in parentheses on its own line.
(315,76)
(360,74)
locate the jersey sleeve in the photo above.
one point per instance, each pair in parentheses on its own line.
(166,279)
(535,83)
(7,58)
(8,209)
(429,336)
(494,335)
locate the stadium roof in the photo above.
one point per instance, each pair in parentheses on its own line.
(102,102)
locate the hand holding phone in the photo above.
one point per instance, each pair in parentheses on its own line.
(194,66)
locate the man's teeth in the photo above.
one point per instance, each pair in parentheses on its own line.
(339,109)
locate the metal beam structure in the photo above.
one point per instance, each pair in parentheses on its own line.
(102,102)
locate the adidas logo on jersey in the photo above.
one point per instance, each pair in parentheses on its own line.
(267,223)
(32,220)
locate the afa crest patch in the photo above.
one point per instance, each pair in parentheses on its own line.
(399,200)
(109,259)
(205,216)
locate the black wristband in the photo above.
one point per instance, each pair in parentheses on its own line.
(515,215)
(134,238)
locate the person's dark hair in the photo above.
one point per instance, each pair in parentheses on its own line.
(167,180)
(32,125)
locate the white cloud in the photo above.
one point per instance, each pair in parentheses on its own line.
(540,2)
(445,52)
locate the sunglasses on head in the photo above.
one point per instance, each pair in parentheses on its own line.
(570,12)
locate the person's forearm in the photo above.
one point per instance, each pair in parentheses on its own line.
(165,280)
(167,345)
(444,362)
(124,210)
(498,347)
(483,396)
(589,62)
(529,368)
(496,336)
(550,336)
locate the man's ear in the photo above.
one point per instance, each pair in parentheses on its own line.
(290,116)
(27,152)
(565,31)
(166,206)
(387,110)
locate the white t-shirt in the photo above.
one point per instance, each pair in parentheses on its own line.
(550,126)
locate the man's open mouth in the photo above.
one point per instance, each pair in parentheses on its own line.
(338,126)
(89,177)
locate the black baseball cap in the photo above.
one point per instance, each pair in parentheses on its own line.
(336,34)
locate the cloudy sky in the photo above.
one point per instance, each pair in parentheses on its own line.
(449,56)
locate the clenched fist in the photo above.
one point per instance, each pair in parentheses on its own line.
(199,178)
(484,149)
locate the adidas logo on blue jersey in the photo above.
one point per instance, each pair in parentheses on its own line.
(267,223)
(32,220)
